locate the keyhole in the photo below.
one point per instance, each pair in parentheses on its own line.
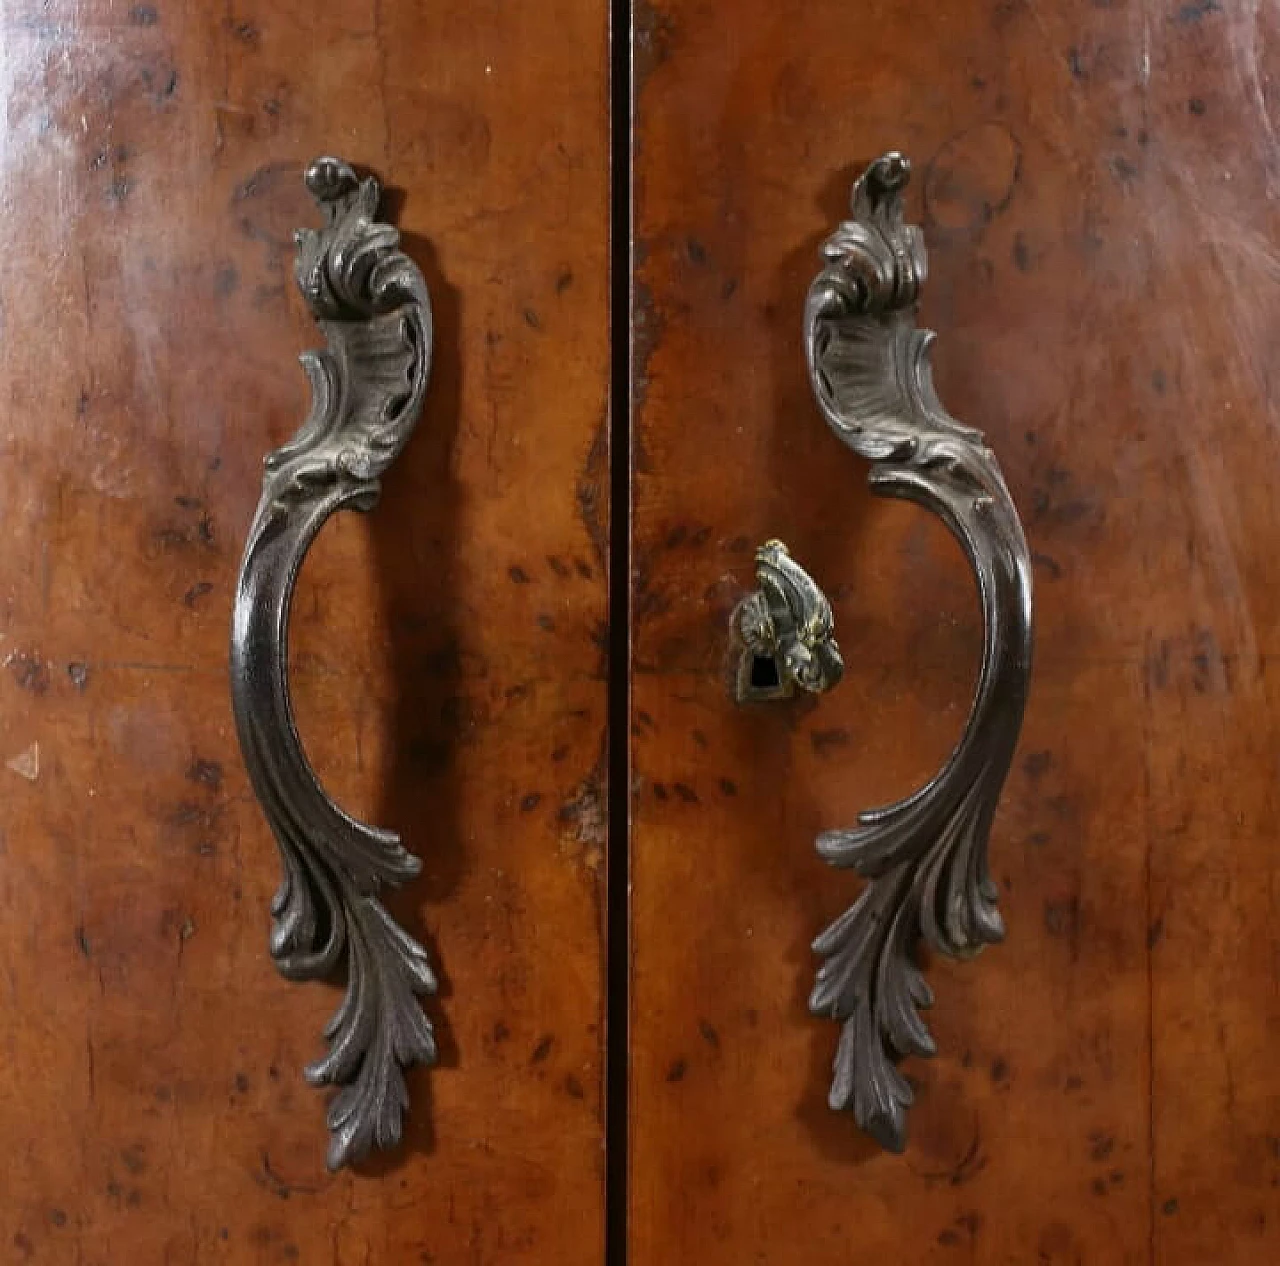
(764,673)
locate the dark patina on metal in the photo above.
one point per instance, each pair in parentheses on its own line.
(367,386)
(925,857)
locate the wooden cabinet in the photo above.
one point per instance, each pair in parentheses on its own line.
(446,663)
(1095,184)
(606,835)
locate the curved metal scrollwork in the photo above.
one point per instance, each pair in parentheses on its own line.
(925,857)
(367,386)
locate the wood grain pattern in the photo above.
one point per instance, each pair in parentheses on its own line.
(448,669)
(1097,183)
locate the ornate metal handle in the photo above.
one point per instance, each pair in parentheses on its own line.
(367,386)
(925,857)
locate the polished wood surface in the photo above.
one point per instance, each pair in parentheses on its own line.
(448,669)
(1097,184)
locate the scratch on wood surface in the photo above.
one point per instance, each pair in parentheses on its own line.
(26,763)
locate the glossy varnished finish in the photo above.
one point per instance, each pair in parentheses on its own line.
(445,650)
(1095,182)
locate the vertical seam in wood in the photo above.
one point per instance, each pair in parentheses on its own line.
(618,863)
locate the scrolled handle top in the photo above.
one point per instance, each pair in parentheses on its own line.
(875,261)
(352,268)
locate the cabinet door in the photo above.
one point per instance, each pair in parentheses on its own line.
(444,648)
(1096,184)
